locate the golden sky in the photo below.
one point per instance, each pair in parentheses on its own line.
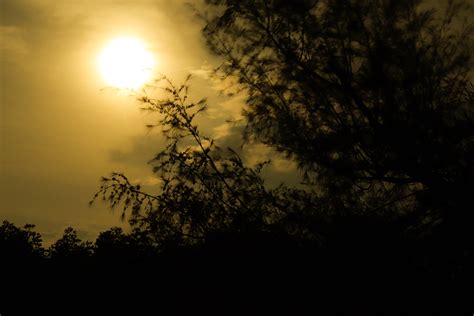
(60,130)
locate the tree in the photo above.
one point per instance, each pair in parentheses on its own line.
(204,189)
(70,248)
(112,244)
(20,244)
(373,99)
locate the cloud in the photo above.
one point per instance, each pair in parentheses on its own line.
(219,81)
(204,72)
(284,165)
(279,170)
(147,181)
(221,131)
(141,149)
(230,98)
(229,108)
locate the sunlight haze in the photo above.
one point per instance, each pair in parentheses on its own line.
(65,121)
(61,127)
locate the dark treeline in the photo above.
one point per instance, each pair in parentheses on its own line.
(352,273)
(373,100)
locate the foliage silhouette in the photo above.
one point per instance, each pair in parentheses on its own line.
(20,244)
(373,99)
(315,277)
(112,244)
(70,248)
(204,189)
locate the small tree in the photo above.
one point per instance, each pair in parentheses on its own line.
(204,189)
(70,248)
(112,243)
(20,244)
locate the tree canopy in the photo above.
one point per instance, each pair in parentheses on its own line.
(20,243)
(373,99)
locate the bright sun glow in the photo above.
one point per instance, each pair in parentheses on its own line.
(125,63)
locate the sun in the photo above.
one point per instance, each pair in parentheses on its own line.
(126,63)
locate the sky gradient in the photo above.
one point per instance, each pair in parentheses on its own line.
(62,128)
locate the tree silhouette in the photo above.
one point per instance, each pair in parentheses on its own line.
(112,244)
(20,244)
(70,248)
(204,189)
(373,99)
